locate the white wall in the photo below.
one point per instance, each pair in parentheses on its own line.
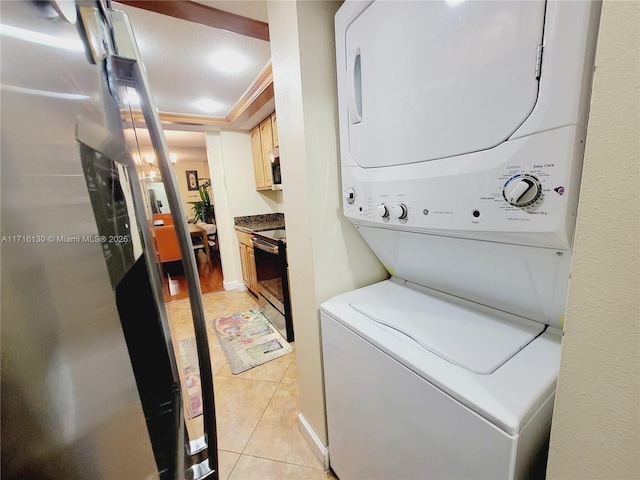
(596,424)
(326,254)
(234,191)
(241,187)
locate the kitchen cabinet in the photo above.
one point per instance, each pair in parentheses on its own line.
(261,174)
(274,130)
(248,262)
(266,141)
(264,137)
(252,275)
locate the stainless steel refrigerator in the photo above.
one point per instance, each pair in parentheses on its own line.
(90,386)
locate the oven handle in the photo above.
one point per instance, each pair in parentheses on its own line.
(264,246)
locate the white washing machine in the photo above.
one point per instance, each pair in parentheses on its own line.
(462,129)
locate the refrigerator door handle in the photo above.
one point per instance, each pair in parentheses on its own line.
(125,44)
(100,140)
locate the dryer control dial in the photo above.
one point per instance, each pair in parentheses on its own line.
(399,211)
(522,190)
(350,195)
(383,211)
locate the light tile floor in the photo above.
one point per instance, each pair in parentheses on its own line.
(256,410)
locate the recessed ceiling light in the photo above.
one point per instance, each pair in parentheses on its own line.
(209,106)
(229,61)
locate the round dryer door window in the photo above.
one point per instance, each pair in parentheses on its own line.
(429,80)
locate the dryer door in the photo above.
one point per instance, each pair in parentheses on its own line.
(428,80)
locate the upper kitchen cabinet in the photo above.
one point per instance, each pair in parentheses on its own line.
(274,130)
(264,138)
(260,173)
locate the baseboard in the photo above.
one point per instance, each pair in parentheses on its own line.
(318,449)
(234,285)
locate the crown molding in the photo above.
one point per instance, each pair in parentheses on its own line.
(257,95)
(170,118)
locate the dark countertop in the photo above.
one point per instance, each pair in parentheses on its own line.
(259,223)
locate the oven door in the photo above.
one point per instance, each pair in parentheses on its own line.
(270,282)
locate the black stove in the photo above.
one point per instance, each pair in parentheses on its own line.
(275,235)
(270,253)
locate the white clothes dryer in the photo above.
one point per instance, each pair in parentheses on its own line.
(462,130)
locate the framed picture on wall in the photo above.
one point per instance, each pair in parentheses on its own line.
(192,180)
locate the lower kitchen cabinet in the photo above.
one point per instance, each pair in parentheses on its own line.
(252,276)
(248,262)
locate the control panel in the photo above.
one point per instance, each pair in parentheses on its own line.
(531,192)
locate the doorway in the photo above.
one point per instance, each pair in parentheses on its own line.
(188,156)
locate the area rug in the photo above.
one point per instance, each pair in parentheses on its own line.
(248,339)
(190,376)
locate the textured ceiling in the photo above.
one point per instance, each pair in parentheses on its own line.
(178,58)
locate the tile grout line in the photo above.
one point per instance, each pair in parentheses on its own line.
(259,419)
(262,415)
(232,468)
(279,461)
(280,383)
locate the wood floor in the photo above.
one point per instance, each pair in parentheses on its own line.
(209,273)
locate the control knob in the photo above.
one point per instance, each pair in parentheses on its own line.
(522,190)
(350,195)
(383,211)
(399,211)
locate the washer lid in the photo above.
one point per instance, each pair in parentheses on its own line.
(434,79)
(468,338)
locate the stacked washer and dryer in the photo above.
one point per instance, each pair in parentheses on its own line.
(462,132)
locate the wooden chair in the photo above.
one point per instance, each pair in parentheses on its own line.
(212,236)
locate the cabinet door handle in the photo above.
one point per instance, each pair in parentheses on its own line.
(354,86)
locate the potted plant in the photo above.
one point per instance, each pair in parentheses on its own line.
(203,210)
